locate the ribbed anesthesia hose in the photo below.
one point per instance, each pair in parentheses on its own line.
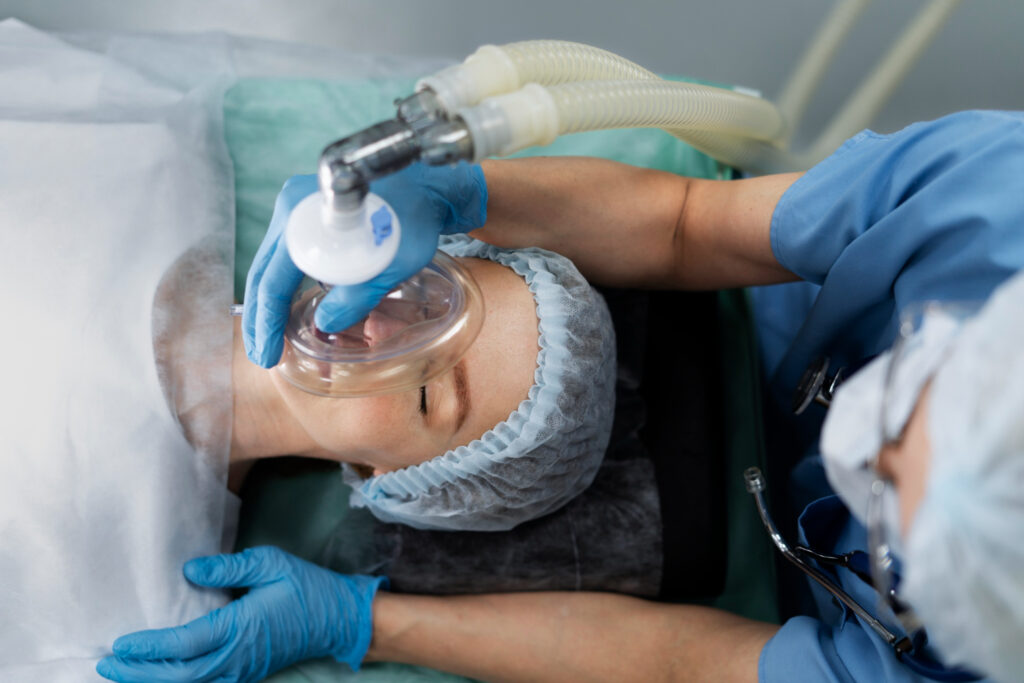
(498,92)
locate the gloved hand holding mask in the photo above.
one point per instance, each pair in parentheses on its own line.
(429,201)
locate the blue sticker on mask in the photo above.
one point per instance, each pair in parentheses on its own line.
(381,221)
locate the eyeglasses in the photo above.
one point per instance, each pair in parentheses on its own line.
(883,562)
(924,338)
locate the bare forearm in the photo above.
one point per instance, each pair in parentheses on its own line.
(629,226)
(566,637)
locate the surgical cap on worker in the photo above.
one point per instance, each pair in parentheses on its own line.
(549,449)
(964,560)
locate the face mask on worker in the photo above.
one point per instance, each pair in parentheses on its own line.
(872,409)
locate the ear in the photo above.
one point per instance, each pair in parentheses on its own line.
(363,471)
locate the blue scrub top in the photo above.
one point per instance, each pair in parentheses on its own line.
(932,212)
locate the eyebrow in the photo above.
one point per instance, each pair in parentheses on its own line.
(461,393)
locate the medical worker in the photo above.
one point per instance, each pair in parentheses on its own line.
(924,443)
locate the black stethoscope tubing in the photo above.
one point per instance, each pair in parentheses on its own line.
(904,646)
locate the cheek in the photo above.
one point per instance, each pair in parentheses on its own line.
(366,422)
(914,463)
(298,402)
(380,431)
(355,427)
(343,425)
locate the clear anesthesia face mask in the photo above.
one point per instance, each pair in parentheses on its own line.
(418,331)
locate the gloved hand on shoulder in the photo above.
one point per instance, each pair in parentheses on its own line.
(294,610)
(429,201)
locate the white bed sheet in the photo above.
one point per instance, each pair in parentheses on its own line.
(108,175)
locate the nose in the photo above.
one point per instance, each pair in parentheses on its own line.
(380,326)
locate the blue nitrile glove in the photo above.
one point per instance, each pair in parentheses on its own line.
(294,610)
(429,201)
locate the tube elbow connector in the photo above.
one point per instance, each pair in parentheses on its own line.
(342,185)
(349,165)
(344,234)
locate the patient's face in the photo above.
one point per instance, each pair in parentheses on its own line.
(394,431)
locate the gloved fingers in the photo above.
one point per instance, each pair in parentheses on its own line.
(453,196)
(446,199)
(295,190)
(198,637)
(343,307)
(273,306)
(250,302)
(251,567)
(142,671)
(465,199)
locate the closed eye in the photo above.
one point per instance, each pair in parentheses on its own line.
(423,400)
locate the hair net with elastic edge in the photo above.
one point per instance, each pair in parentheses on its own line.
(549,449)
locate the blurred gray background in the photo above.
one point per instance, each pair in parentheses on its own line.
(977,61)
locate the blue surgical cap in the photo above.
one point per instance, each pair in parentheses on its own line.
(549,449)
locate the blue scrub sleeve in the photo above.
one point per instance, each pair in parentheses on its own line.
(934,211)
(807,649)
(915,195)
(835,645)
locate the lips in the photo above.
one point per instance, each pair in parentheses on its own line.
(376,328)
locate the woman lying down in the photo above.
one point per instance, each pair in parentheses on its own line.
(121,405)
(515,430)
(124,439)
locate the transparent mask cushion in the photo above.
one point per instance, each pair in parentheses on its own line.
(419,330)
